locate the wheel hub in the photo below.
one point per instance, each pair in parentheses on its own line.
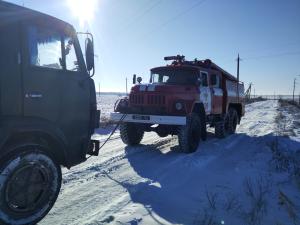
(27,188)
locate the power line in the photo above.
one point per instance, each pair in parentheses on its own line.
(273,55)
(141,15)
(268,48)
(267,56)
(180,14)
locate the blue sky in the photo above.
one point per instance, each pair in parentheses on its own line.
(131,36)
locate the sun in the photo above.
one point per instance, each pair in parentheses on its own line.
(83,10)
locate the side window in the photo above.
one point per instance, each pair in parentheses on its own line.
(165,79)
(44,48)
(155,78)
(70,53)
(215,81)
(203,76)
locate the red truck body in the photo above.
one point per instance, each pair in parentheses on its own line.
(177,91)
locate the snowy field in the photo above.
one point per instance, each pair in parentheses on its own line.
(247,178)
(106,104)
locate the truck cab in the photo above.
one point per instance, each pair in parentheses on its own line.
(48,110)
(181,99)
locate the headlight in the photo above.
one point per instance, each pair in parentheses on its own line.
(178,106)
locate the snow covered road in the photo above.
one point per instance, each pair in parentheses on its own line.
(154,183)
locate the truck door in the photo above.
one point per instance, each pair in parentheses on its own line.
(42,72)
(75,108)
(54,87)
(205,93)
(216,92)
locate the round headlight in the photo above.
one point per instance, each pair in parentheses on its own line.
(178,106)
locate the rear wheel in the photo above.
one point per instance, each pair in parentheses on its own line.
(189,135)
(203,125)
(227,125)
(131,134)
(30,182)
(220,129)
(233,120)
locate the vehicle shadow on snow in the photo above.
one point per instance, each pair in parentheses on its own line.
(174,183)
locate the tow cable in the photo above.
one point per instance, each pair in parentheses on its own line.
(111,134)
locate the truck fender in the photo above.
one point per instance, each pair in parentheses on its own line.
(53,141)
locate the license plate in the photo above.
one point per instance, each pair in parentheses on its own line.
(140,117)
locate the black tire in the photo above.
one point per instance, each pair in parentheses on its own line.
(227,125)
(203,125)
(220,131)
(233,120)
(189,135)
(221,127)
(131,134)
(30,181)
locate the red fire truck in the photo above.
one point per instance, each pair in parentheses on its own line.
(181,99)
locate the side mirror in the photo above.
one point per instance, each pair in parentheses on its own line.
(89,54)
(139,79)
(134,79)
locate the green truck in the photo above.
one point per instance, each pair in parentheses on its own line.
(48,110)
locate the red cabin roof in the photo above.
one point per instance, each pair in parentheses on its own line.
(179,61)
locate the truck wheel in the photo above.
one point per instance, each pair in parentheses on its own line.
(189,135)
(131,134)
(233,121)
(222,127)
(30,182)
(203,126)
(220,131)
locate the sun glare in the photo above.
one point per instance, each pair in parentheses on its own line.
(83,10)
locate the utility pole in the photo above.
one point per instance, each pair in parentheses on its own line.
(294,90)
(99,89)
(299,92)
(238,76)
(126,86)
(238,68)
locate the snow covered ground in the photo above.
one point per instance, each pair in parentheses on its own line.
(106,104)
(236,180)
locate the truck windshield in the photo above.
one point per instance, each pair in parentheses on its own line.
(174,76)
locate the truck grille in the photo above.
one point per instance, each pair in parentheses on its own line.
(136,99)
(156,100)
(139,99)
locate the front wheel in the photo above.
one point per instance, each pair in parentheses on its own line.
(189,135)
(30,182)
(131,134)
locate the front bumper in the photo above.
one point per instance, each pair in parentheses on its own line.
(149,119)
